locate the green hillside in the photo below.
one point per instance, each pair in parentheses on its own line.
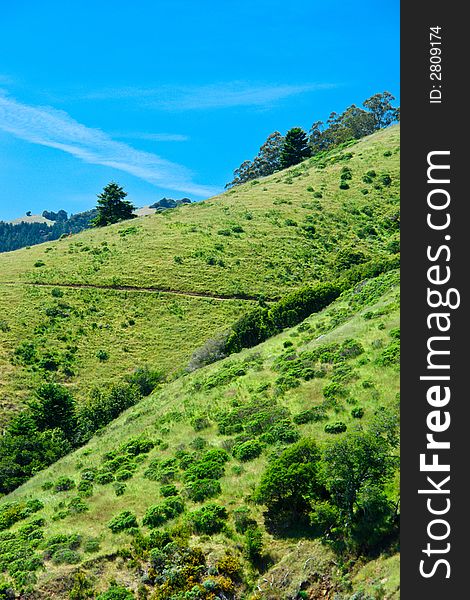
(264,237)
(348,346)
(270,474)
(259,240)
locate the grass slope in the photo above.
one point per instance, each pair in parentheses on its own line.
(257,231)
(184,412)
(261,239)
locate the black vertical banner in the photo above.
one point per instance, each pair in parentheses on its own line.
(435,404)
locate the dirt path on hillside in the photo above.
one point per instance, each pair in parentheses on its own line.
(135,288)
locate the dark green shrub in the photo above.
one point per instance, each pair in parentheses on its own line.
(91,545)
(6,591)
(282,431)
(185,459)
(64,484)
(77,506)
(391,355)
(210,465)
(32,530)
(201,489)
(242,519)
(309,230)
(104,478)
(12,512)
(161,470)
(123,521)
(82,588)
(88,474)
(158,514)
(334,390)
(287,485)
(204,470)
(65,556)
(24,579)
(199,423)
(168,490)
(145,379)
(298,305)
(338,427)
(311,415)
(85,489)
(105,404)
(123,474)
(385,180)
(198,443)
(253,543)
(224,375)
(343,186)
(250,330)
(119,488)
(61,514)
(287,382)
(119,461)
(350,349)
(209,519)
(116,592)
(102,355)
(357,413)
(348,257)
(248,450)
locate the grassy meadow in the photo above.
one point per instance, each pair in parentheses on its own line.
(170,417)
(88,310)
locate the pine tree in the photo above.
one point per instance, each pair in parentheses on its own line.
(112,207)
(295,148)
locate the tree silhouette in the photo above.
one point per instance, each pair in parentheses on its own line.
(112,207)
(295,147)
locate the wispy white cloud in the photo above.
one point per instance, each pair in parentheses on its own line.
(56,129)
(211,96)
(153,137)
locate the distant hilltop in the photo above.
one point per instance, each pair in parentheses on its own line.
(50,217)
(29,229)
(29,218)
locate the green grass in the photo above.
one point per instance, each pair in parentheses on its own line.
(133,328)
(259,240)
(269,256)
(366,314)
(253,241)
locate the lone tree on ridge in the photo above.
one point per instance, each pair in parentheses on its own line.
(112,207)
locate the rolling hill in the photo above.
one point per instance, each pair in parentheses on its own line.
(151,290)
(188,417)
(229,481)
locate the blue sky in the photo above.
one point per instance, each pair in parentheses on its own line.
(168,97)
